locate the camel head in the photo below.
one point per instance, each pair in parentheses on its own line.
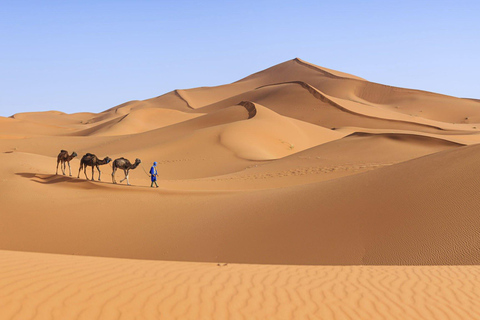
(107,159)
(137,162)
(74,154)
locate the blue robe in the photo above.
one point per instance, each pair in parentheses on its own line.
(153,174)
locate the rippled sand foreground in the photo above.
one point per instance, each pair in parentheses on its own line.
(46,286)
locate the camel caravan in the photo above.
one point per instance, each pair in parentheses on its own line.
(91,160)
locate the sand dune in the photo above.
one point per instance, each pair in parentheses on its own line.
(11,128)
(295,192)
(56,118)
(270,136)
(343,86)
(142,120)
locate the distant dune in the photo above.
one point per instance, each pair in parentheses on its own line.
(295,192)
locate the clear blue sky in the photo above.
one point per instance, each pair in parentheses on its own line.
(91,55)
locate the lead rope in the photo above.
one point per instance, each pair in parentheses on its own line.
(144,170)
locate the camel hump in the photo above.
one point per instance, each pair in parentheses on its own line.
(89,154)
(63,151)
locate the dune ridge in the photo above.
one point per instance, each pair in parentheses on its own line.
(326,71)
(180,95)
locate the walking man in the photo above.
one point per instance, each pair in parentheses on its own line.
(154,174)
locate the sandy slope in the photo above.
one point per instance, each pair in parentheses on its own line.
(295,165)
(398,214)
(351,155)
(43,286)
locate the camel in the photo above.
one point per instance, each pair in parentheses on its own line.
(91,160)
(62,158)
(122,163)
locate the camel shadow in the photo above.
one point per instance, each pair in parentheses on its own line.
(49,178)
(53,179)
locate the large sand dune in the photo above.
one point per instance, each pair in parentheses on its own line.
(282,175)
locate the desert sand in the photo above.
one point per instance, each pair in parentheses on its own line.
(298,192)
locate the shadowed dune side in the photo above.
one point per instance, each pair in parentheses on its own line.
(305,103)
(250,106)
(458,137)
(428,105)
(46,286)
(348,106)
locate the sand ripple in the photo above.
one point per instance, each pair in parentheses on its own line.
(44,286)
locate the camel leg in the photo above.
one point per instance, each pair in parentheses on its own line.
(79,169)
(69,169)
(113,175)
(126,174)
(61,167)
(93,172)
(58,161)
(64,166)
(99,173)
(85,171)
